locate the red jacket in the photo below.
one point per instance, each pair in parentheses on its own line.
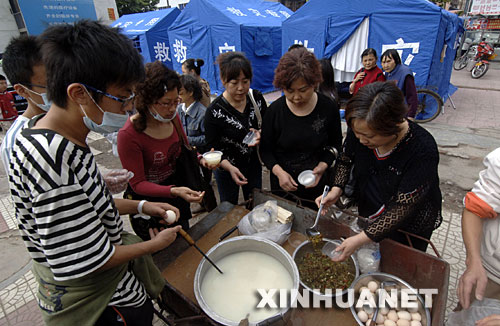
(373,75)
(9,111)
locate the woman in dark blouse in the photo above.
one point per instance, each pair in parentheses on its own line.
(301,130)
(395,168)
(229,118)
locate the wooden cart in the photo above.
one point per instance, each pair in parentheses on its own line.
(178,264)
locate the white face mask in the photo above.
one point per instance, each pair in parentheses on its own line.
(158,117)
(46,103)
(111,122)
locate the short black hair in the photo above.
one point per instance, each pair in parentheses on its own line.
(194,64)
(191,84)
(368,52)
(392,53)
(231,64)
(20,56)
(90,53)
(295,46)
(2,77)
(381,104)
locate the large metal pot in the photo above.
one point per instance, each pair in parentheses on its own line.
(307,247)
(240,244)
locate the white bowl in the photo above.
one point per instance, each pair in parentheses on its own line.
(307,178)
(213,158)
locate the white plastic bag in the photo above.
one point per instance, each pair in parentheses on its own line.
(368,257)
(261,222)
(477,311)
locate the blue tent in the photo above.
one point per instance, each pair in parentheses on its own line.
(423,33)
(148,30)
(206,28)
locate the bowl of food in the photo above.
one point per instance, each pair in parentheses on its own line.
(306,178)
(248,263)
(319,274)
(213,158)
(389,315)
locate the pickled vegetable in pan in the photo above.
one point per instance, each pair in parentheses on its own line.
(318,271)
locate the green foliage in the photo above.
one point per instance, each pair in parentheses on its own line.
(133,6)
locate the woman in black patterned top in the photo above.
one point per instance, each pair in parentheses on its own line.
(229,118)
(395,168)
(301,130)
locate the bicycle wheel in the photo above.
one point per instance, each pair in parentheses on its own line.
(460,63)
(479,70)
(430,105)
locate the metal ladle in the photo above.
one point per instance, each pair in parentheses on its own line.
(375,313)
(312,232)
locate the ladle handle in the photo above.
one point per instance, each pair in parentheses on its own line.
(187,237)
(325,192)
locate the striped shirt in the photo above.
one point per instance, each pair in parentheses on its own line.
(8,140)
(66,215)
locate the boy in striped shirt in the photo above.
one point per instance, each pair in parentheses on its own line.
(67,217)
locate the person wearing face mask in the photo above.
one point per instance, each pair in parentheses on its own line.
(229,118)
(369,73)
(22,63)
(287,152)
(149,146)
(88,269)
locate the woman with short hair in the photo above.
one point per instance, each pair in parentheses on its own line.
(149,146)
(192,112)
(395,167)
(369,73)
(403,76)
(301,129)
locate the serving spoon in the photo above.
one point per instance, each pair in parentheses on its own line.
(312,232)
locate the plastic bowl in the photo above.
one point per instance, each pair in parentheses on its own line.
(213,158)
(306,178)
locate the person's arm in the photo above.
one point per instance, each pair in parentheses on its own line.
(212,128)
(417,181)
(411,95)
(268,136)
(352,85)
(481,203)
(124,253)
(474,274)
(131,157)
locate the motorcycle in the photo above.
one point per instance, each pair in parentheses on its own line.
(484,53)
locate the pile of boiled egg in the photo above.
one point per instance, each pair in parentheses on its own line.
(386,316)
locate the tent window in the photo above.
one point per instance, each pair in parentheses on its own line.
(137,44)
(263,44)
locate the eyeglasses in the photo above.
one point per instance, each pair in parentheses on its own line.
(170,103)
(123,101)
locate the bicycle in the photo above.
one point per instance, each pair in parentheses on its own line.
(461,62)
(430,104)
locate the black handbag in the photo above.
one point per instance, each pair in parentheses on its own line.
(189,173)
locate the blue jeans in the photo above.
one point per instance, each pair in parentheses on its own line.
(229,190)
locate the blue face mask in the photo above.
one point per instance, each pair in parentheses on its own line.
(111,122)
(46,103)
(158,117)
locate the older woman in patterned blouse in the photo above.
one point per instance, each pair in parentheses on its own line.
(395,167)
